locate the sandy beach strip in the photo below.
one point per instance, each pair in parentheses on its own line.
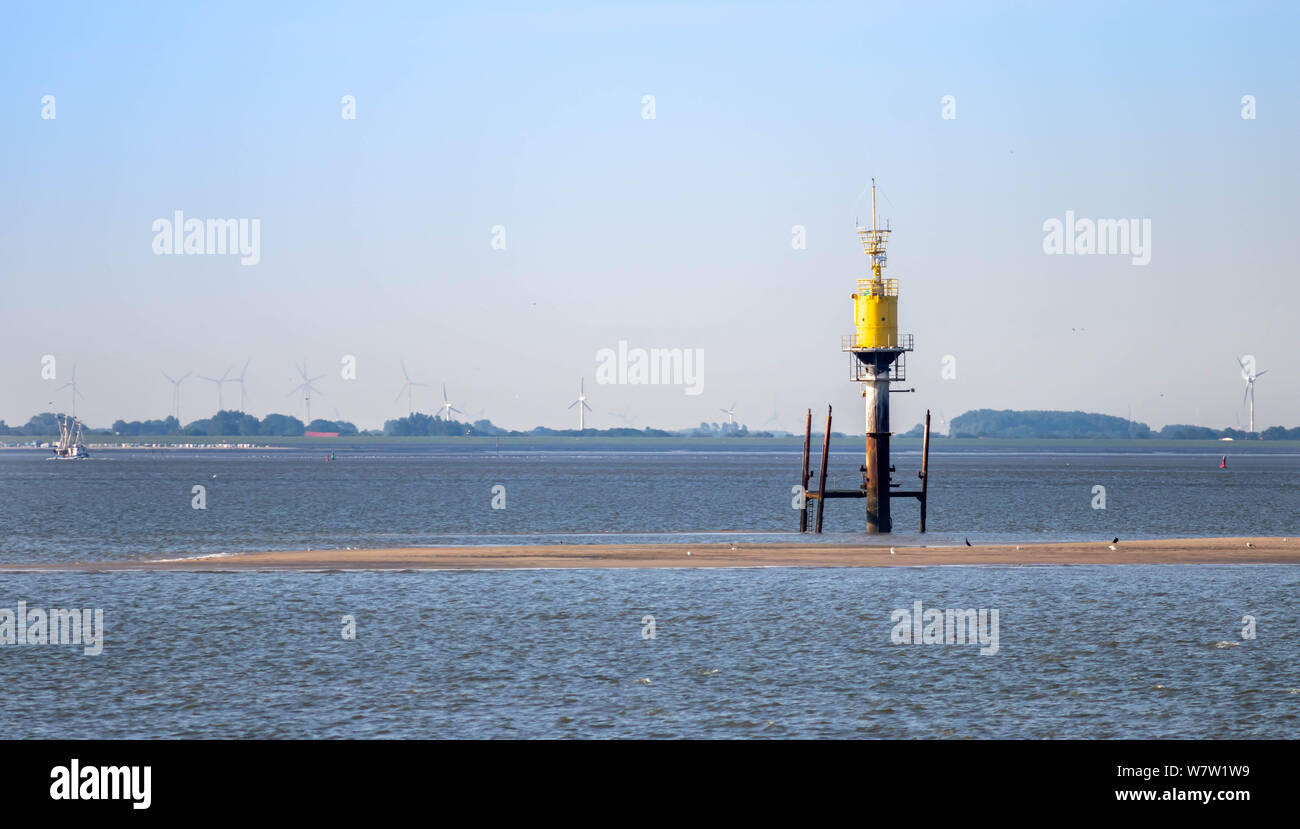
(1166,551)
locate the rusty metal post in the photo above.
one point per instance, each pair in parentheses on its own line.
(868,482)
(803,479)
(821,486)
(925,467)
(876,390)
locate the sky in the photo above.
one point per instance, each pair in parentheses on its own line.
(502,207)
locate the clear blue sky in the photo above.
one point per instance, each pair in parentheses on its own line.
(673,232)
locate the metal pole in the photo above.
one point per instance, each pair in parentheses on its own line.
(803,479)
(925,467)
(877,482)
(821,486)
(870,475)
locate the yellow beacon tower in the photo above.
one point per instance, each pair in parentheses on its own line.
(878,357)
(875,305)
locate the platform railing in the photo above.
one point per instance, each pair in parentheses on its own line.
(871,287)
(860,371)
(849,342)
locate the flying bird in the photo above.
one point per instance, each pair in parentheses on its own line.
(968,544)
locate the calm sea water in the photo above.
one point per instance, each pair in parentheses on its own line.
(132,504)
(1111,652)
(1098,652)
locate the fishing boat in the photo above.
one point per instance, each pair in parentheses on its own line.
(70,446)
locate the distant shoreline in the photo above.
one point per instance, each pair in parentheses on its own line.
(716,555)
(839,443)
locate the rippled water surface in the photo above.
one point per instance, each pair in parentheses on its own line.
(1116,652)
(138,504)
(1124,651)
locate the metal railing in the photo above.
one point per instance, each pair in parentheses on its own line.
(849,342)
(888,287)
(860,371)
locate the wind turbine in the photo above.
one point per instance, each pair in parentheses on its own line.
(1250,376)
(176,392)
(76,392)
(446,409)
(219,383)
(306,388)
(627,418)
(410,384)
(582,399)
(240,380)
(731,414)
(775,418)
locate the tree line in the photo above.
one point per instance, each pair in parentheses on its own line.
(980,423)
(223,424)
(1010,423)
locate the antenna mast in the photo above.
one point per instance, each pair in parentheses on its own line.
(873,204)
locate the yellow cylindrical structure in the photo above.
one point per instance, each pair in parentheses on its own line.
(875,313)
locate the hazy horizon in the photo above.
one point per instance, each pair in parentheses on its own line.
(674,232)
(818,426)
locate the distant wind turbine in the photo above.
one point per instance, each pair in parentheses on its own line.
(730,413)
(176,393)
(775,418)
(1250,376)
(219,382)
(306,388)
(446,409)
(410,385)
(240,380)
(581,403)
(626,418)
(76,392)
